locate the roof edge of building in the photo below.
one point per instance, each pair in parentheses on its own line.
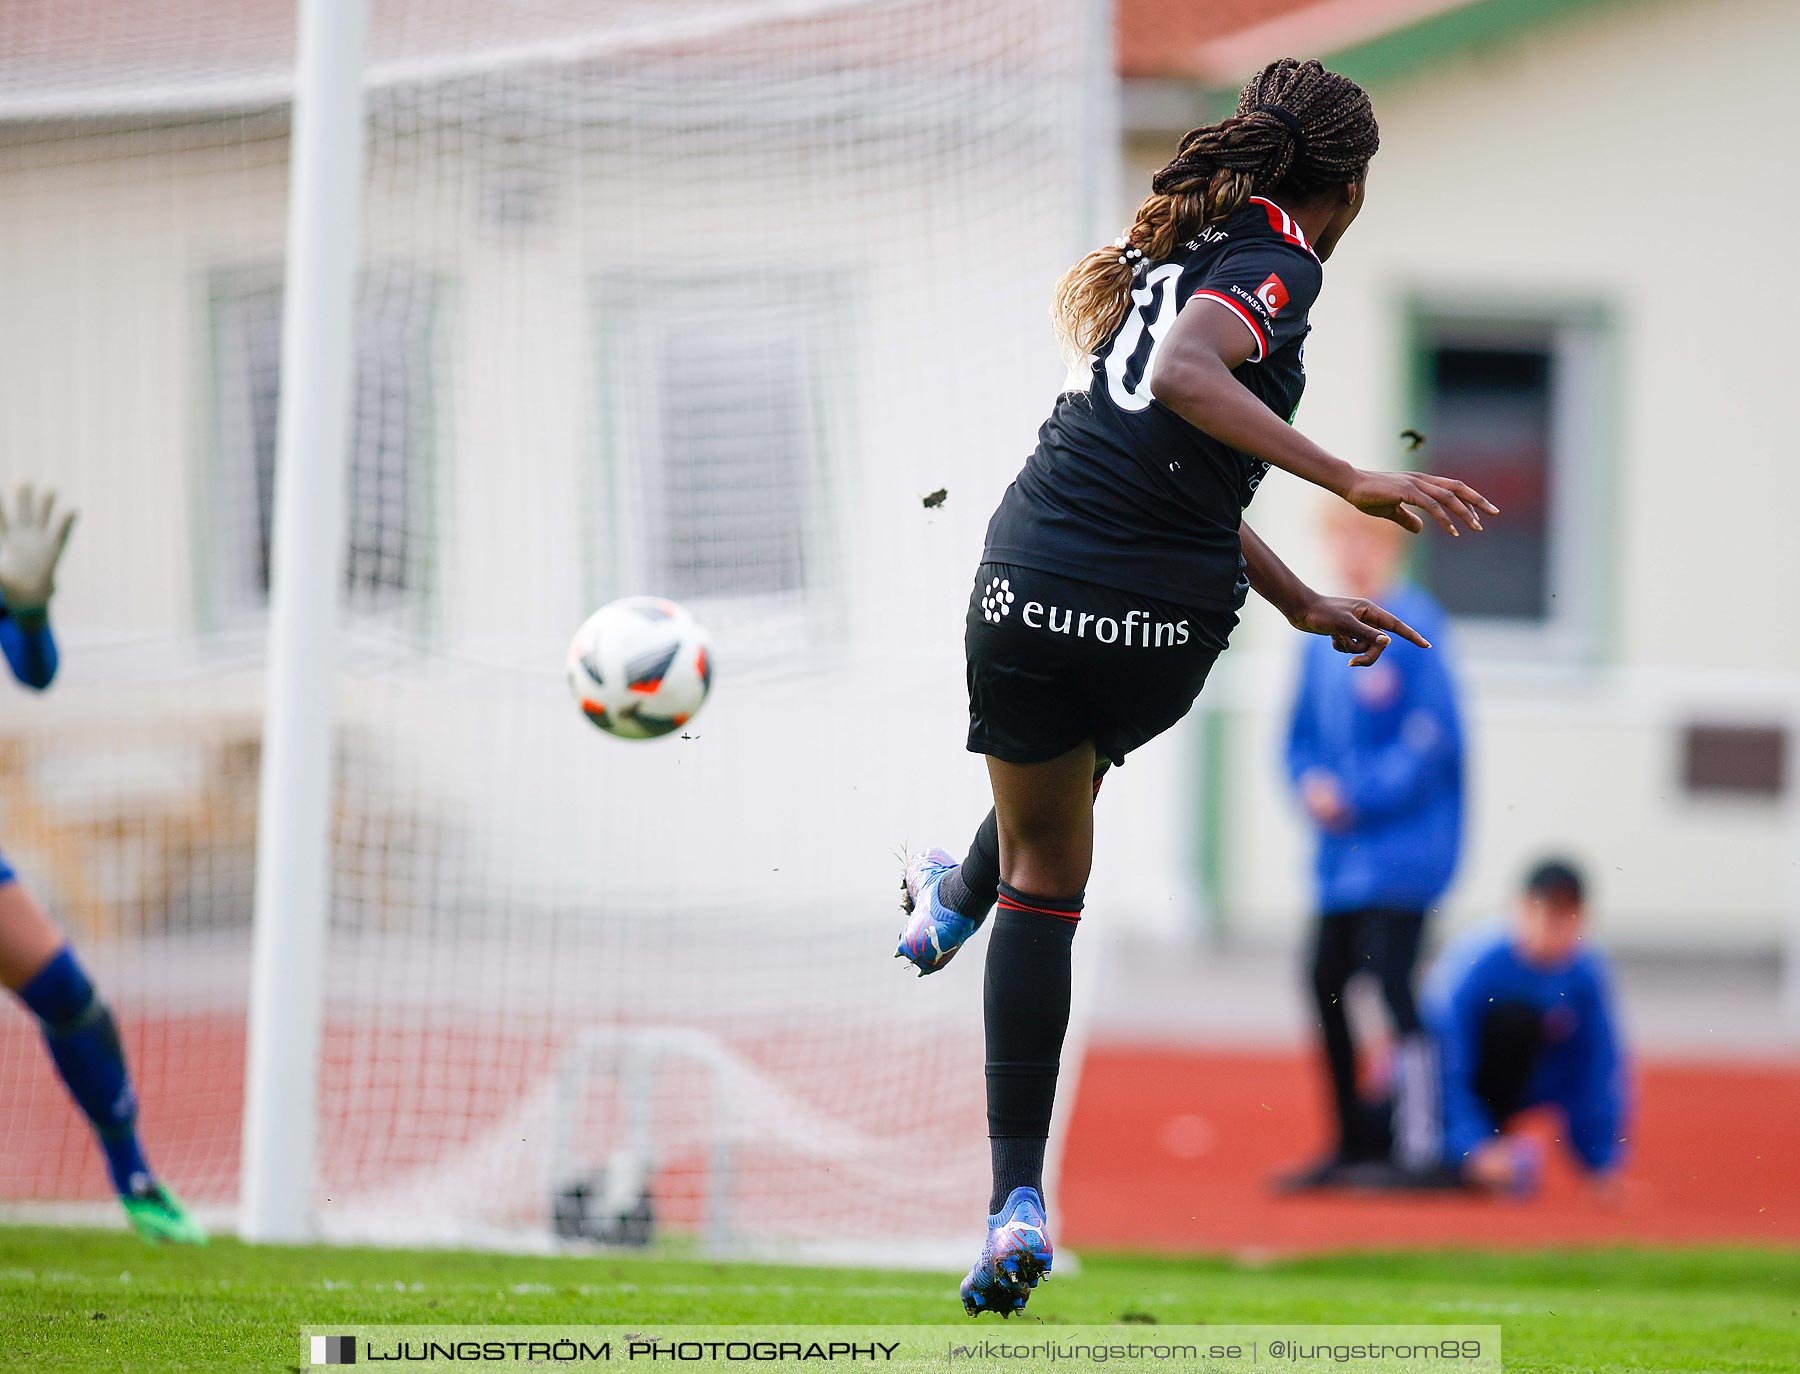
(1368,40)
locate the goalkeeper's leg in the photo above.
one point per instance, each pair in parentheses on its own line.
(39,967)
(1045,823)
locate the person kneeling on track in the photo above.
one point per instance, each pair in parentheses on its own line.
(1519,1017)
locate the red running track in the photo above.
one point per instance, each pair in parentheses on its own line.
(1172,1150)
(1168,1150)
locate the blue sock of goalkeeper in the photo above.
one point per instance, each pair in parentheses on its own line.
(84,1044)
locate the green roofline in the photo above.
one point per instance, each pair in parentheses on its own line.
(1438,38)
(1452,33)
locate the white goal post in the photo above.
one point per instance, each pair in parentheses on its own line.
(293,842)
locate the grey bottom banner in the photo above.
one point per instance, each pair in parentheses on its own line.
(967,1348)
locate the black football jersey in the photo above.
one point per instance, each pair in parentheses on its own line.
(1123,492)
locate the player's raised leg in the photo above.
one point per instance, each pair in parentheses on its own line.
(39,967)
(1045,823)
(946,902)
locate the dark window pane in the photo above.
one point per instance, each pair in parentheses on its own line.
(386,440)
(1488,417)
(1746,760)
(258,339)
(730,489)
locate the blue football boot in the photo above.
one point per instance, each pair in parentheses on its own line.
(1016,1256)
(933,932)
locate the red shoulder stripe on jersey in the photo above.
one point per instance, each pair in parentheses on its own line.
(1283,223)
(1262,343)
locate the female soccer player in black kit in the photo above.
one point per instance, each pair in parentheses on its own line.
(1118,559)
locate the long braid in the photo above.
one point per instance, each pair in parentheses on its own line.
(1297,127)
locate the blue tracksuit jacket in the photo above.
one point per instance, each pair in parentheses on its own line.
(1392,736)
(1582,1071)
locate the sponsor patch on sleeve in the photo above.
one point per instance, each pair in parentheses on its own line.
(1273,294)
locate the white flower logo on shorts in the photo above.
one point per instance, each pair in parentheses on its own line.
(997,600)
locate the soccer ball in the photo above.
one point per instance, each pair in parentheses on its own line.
(640,667)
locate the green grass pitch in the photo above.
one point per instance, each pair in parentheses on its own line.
(98,1300)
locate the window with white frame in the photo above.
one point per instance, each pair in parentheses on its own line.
(386,532)
(1517,406)
(717,475)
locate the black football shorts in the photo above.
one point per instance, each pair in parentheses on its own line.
(1053,661)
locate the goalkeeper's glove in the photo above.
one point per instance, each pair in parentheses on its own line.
(32,540)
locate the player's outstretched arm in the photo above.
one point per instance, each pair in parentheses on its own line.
(32,539)
(1192,377)
(1354,625)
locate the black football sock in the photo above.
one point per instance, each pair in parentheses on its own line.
(971,888)
(1018,1162)
(1026,1010)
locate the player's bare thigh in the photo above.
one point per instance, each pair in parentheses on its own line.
(28,937)
(1045,814)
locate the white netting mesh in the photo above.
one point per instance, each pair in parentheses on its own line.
(697,298)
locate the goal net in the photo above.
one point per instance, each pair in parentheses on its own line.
(701,298)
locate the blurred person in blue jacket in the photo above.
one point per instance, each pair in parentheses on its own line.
(1376,759)
(1523,1017)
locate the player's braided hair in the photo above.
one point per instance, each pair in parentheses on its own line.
(1297,127)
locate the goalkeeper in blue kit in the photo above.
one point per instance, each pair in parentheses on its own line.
(37,964)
